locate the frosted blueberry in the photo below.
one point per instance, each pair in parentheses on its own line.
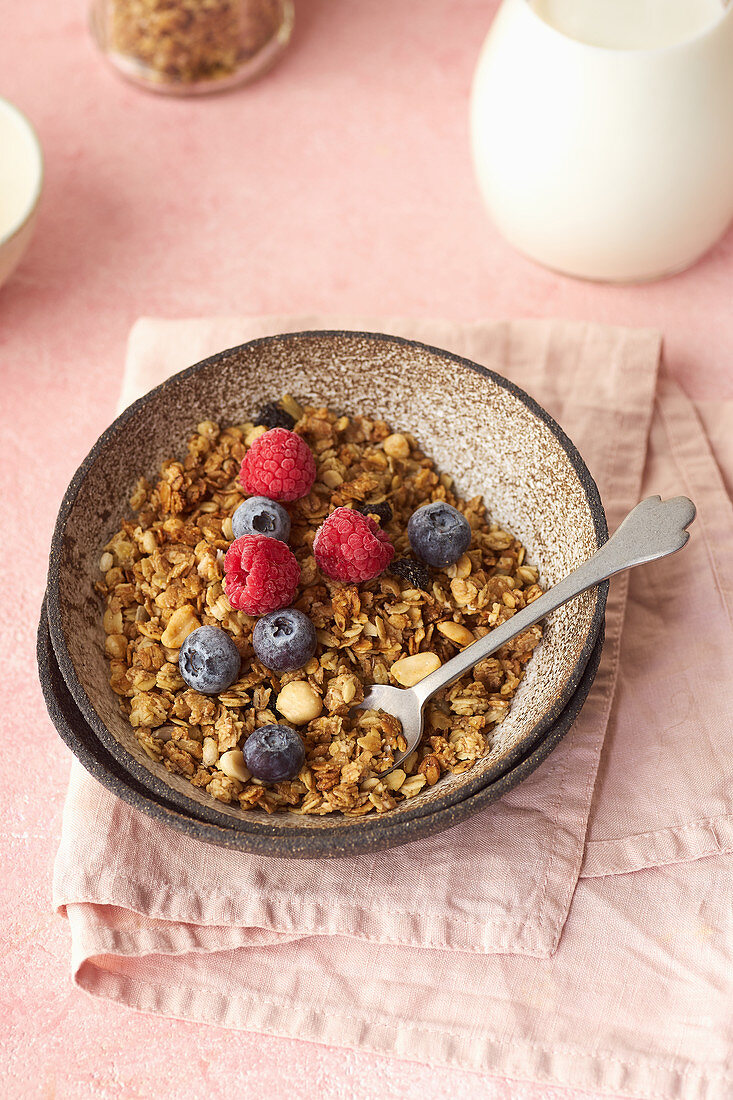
(438,534)
(261,516)
(209,660)
(274,753)
(284,640)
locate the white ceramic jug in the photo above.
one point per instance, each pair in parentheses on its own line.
(605,163)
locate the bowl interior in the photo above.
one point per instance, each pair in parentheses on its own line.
(492,438)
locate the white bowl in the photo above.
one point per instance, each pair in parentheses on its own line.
(21,180)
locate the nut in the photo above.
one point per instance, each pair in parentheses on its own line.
(454,632)
(412,785)
(371,741)
(462,593)
(409,671)
(430,768)
(299,703)
(332,478)
(395,779)
(165,733)
(254,434)
(348,689)
(211,752)
(106,562)
(112,621)
(182,622)
(290,405)
(460,569)
(232,764)
(115,645)
(149,542)
(396,446)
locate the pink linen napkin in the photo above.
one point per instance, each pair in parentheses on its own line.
(460,934)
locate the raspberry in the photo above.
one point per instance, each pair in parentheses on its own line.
(351,547)
(262,574)
(279,465)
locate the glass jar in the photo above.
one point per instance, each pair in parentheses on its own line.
(189,47)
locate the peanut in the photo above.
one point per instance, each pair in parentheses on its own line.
(348,689)
(454,632)
(165,733)
(106,562)
(331,478)
(149,542)
(254,434)
(412,785)
(371,741)
(409,671)
(290,405)
(299,703)
(112,621)
(461,568)
(211,751)
(430,768)
(394,780)
(232,764)
(182,622)
(115,645)
(396,446)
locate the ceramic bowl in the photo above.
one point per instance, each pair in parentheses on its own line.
(491,436)
(195,820)
(21,181)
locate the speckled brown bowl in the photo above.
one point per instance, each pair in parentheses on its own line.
(488,434)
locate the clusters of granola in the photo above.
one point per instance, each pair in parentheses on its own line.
(162,577)
(186,41)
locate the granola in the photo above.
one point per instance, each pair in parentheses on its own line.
(163,576)
(186,41)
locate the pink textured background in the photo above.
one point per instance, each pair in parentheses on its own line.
(342,181)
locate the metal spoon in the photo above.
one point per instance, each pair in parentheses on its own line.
(652,530)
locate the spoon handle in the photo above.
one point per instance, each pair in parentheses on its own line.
(652,530)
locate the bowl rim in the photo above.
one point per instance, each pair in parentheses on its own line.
(101,765)
(34,197)
(360,826)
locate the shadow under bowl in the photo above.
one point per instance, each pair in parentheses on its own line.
(493,439)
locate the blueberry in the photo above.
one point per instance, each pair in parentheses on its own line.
(439,534)
(284,640)
(209,660)
(272,416)
(261,516)
(274,753)
(413,573)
